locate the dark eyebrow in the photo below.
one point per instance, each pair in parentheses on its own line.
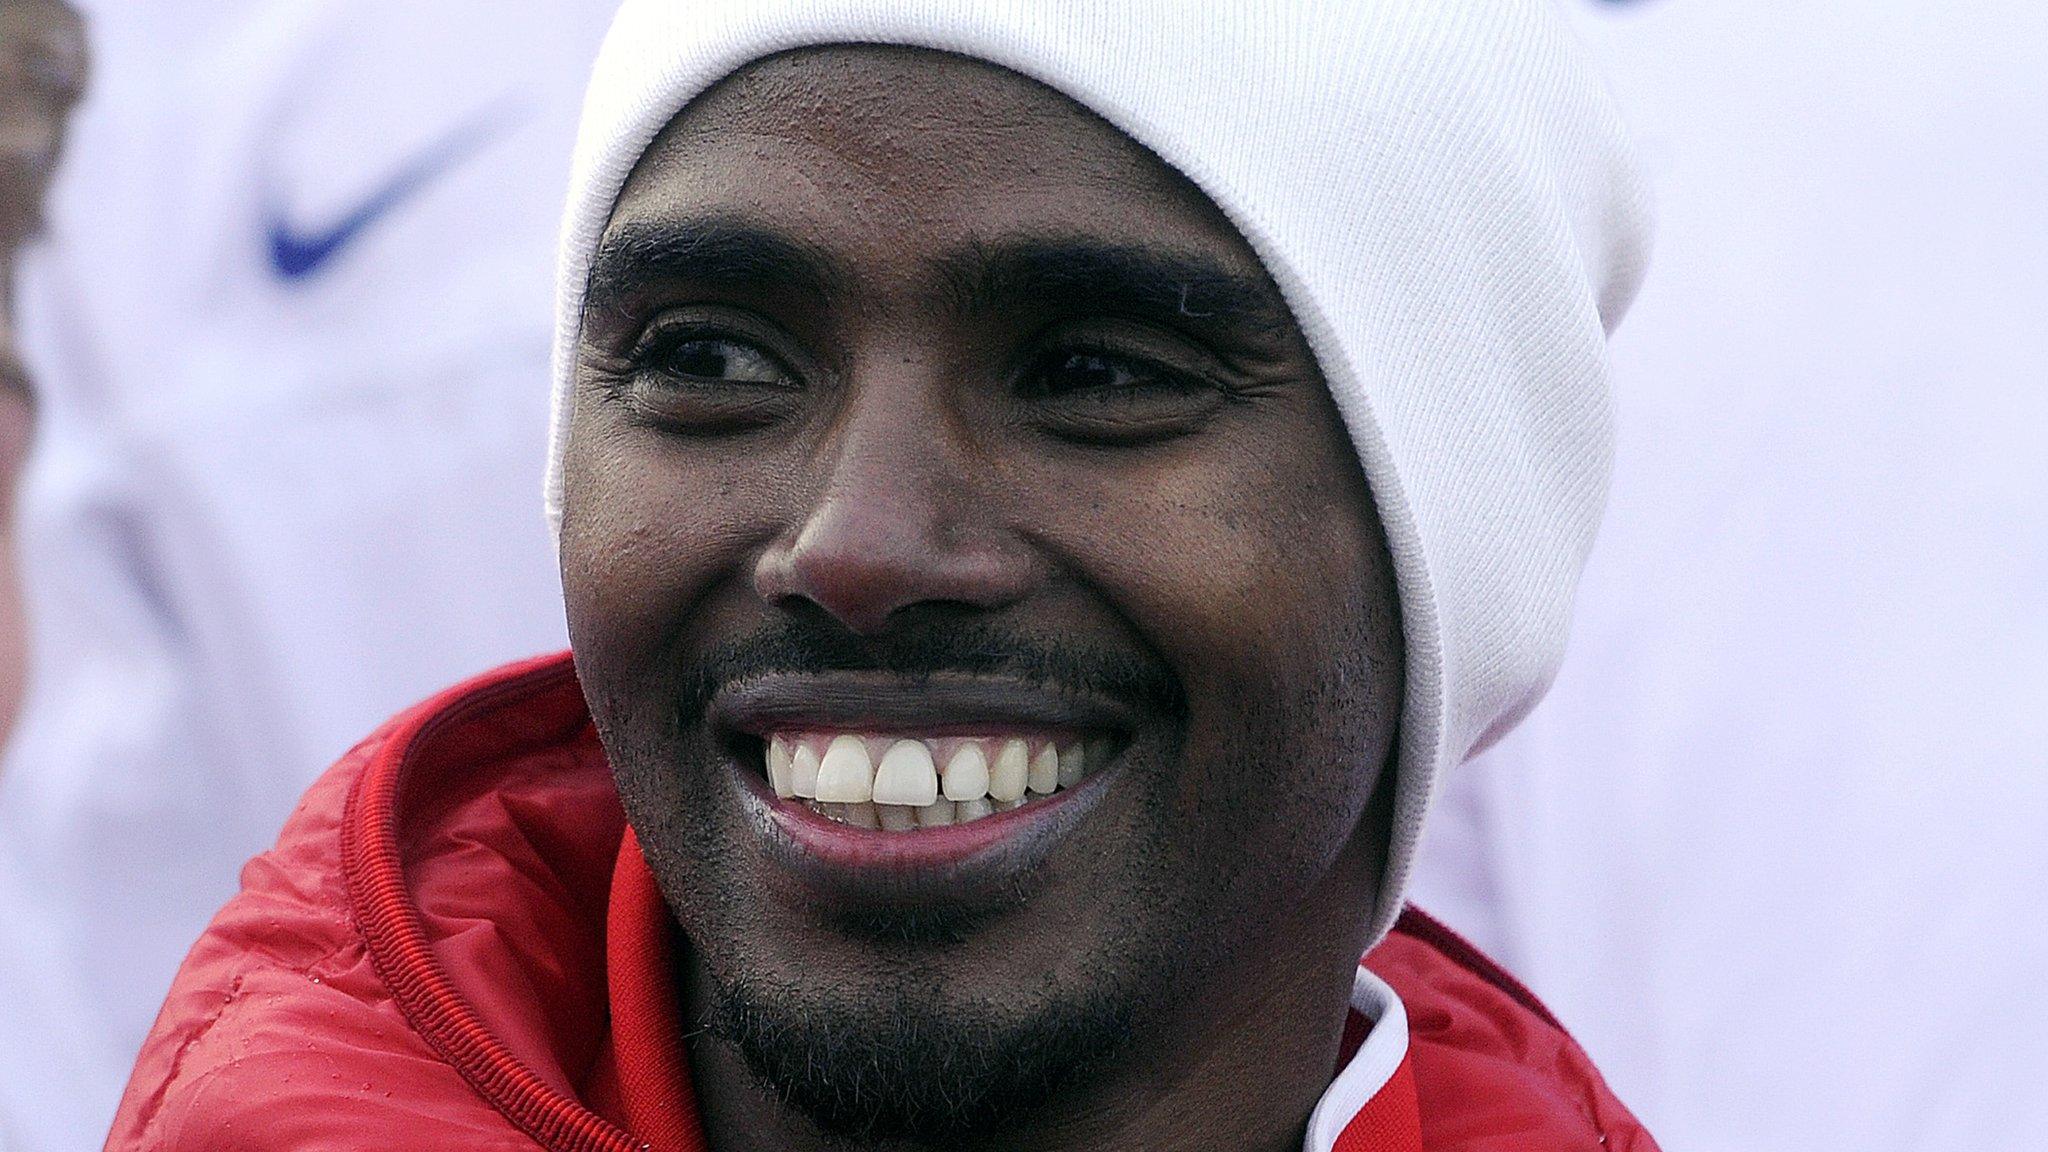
(1079,274)
(714,252)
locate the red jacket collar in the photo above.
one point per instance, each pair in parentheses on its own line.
(643,1058)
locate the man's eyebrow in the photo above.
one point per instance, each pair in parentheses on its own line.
(714,251)
(1096,276)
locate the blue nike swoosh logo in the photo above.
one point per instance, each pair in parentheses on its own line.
(297,255)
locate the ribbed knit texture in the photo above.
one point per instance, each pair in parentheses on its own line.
(1442,191)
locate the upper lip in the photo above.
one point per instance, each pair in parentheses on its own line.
(880,701)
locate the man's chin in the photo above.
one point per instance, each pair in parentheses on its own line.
(896,1063)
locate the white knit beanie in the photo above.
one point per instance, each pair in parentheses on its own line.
(1442,191)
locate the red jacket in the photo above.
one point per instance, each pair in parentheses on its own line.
(455,944)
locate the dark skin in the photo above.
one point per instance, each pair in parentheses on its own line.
(903,365)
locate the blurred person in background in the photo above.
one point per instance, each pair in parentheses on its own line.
(290,324)
(1773,846)
(42,72)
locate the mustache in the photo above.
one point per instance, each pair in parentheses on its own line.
(801,646)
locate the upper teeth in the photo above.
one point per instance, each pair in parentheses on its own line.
(898,782)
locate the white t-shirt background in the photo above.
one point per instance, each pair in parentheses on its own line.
(1776,845)
(293,329)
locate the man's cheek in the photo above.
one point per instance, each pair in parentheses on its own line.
(629,564)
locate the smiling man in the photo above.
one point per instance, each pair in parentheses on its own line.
(1043,493)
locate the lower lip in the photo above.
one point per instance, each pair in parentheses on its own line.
(994,848)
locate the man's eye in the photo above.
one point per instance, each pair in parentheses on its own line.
(1080,371)
(1105,374)
(1103,397)
(711,358)
(697,383)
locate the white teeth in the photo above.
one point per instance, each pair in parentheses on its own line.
(803,772)
(1045,771)
(844,775)
(1073,765)
(778,768)
(894,783)
(1008,776)
(905,775)
(967,773)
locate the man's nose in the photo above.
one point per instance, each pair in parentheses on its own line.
(898,522)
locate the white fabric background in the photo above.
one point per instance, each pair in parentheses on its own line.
(265,514)
(1776,844)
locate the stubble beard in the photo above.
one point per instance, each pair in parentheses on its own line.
(904,1057)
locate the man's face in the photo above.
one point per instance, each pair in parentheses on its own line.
(42,69)
(916,405)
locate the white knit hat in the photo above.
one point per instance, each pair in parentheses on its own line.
(1440,188)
